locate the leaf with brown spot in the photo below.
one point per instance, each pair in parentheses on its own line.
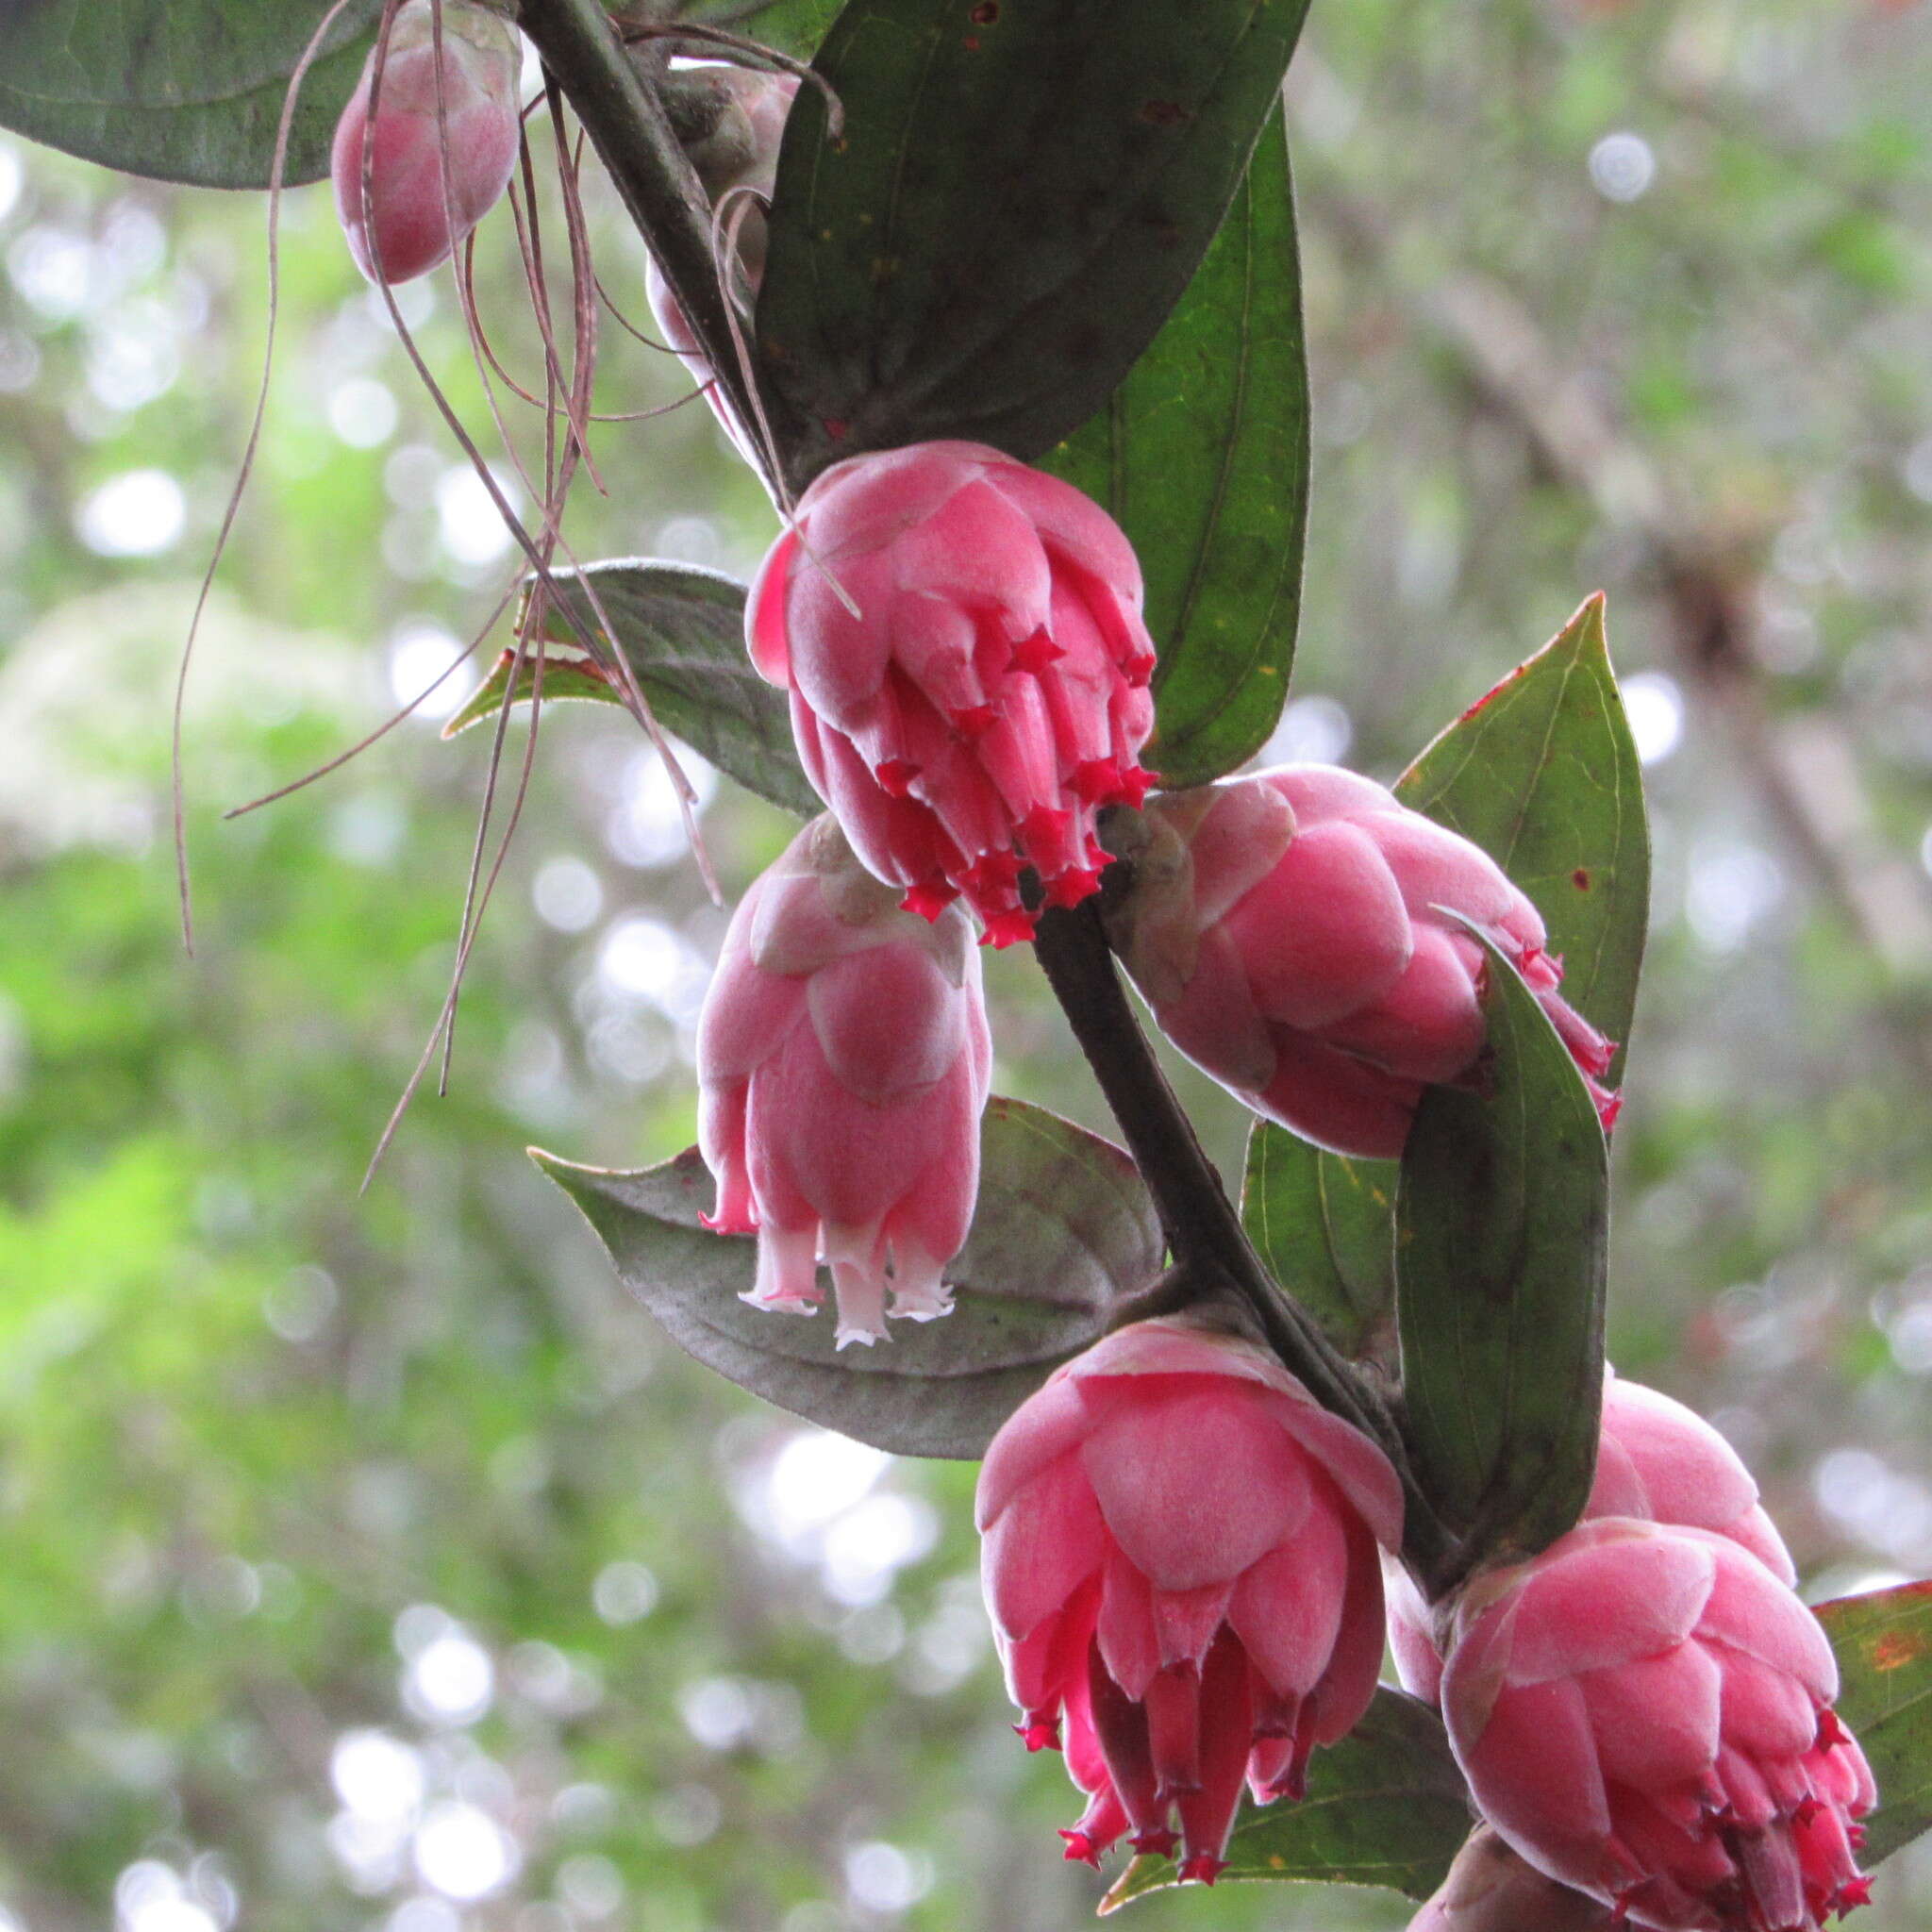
(1883,1646)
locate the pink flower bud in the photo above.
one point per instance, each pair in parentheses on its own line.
(1180,1558)
(1664,1463)
(1284,928)
(417,217)
(1489,1889)
(961,636)
(1645,1714)
(842,1061)
(1657,1461)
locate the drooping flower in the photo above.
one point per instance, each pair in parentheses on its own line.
(1285,927)
(416,213)
(1644,1713)
(1180,1558)
(962,640)
(1657,1461)
(843,1060)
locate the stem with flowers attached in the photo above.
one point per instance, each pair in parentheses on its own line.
(1204,1232)
(626,120)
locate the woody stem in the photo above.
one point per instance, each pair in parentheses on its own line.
(1204,1232)
(624,117)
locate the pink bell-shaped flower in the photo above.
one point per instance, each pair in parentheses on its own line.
(962,640)
(1657,1461)
(1284,928)
(1180,1558)
(416,214)
(843,1060)
(1643,1712)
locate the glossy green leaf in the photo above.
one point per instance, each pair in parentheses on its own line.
(682,631)
(1501,1215)
(179,90)
(1386,1807)
(1021,192)
(1065,1228)
(1542,774)
(1202,456)
(1884,1645)
(1326,1227)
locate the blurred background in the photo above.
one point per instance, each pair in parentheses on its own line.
(371,1562)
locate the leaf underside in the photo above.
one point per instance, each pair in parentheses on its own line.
(189,90)
(681,629)
(1064,1229)
(1502,1216)
(1386,1807)
(1021,192)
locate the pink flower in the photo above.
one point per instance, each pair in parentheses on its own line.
(1663,1462)
(1283,927)
(417,220)
(961,636)
(1657,1461)
(843,1065)
(1644,1713)
(1180,1560)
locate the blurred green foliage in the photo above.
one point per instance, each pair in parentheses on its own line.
(1630,297)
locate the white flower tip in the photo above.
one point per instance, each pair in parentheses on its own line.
(780,1304)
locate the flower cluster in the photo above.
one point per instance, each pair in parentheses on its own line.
(1192,1565)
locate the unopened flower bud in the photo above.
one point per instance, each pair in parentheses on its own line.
(735,126)
(1292,932)
(1489,1889)
(1180,1558)
(1645,1714)
(842,1059)
(1657,1461)
(418,212)
(962,638)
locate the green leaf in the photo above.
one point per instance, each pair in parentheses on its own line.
(179,90)
(1202,456)
(681,629)
(794,26)
(1542,774)
(1021,192)
(1884,1645)
(1387,1805)
(1065,1228)
(1326,1227)
(1502,1214)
